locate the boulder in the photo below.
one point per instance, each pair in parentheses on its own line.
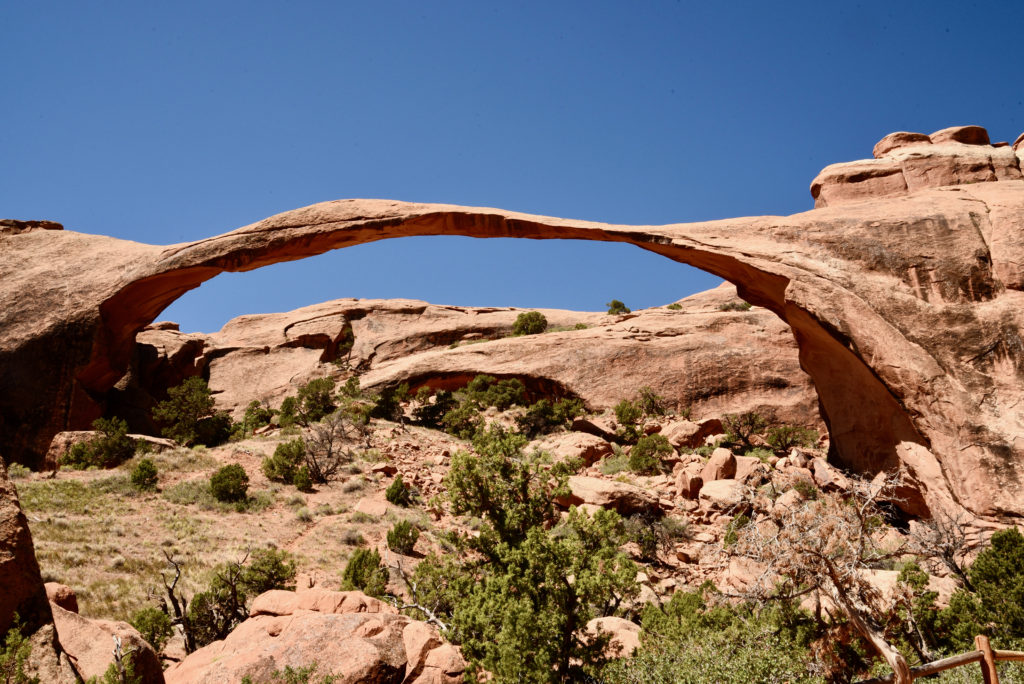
(723,495)
(686,434)
(90,645)
(721,466)
(625,635)
(346,634)
(587,448)
(62,595)
(688,483)
(624,498)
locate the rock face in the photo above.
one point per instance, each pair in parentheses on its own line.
(23,590)
(90,643)
(346,634)
(713,361)
(906,305)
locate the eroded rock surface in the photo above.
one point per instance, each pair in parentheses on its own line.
(698,356)
(907,308)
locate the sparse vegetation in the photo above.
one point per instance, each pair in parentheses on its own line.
(735,306)
(402,537)
(645,456)
(674,306)
(188,415)
(398,492)
(741,428)
(144,474)
(615,307)
(110,449)
(365,573)
(154,625)
(229,484)
(14,656)
(530,323)
(785,437)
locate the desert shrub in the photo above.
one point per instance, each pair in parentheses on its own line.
(16,471)
(315,400)
(398,492)
(463,421)
(325,446)
(653,532)
(14,655)
(615,463)
(365,573)
(402,537)
(732,529)
(229,484)
(543,416)
(517,594)
(650,403)
(267,569)
(740,428)
(256,416)
(806,489)
(287,415)
(785,437)
(388,404)
(111,448)
(645,456)
(485,390)
(218,609)
(351,390)
(300,675)
(687,641)
(615,307)
(144,474)
(154,625)
(760,453)
(352,537)
(285,462)
(188,415)
(628,414)
(429,413)
(735,306)
(530,323)
(674,306)
(302,480)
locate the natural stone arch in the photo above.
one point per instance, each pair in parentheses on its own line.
(906,311)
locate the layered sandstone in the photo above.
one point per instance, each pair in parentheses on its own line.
(906,307)
(699,356)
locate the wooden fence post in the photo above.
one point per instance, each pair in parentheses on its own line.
(988,662)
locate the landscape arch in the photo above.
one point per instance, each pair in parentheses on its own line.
(880,388)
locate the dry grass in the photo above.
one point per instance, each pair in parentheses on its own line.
(97,533)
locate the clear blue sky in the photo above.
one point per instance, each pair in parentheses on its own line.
(164,122)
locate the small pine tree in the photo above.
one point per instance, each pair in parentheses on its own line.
(365,573)
(402,537)
(398,492)
(144,474)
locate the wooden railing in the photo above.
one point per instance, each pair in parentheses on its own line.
(986,656)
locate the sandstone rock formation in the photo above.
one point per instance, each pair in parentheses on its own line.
(90,644)
(699,356)
(346,634)
(23,590)
(906,307)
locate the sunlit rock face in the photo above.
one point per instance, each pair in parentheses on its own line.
(905,303)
